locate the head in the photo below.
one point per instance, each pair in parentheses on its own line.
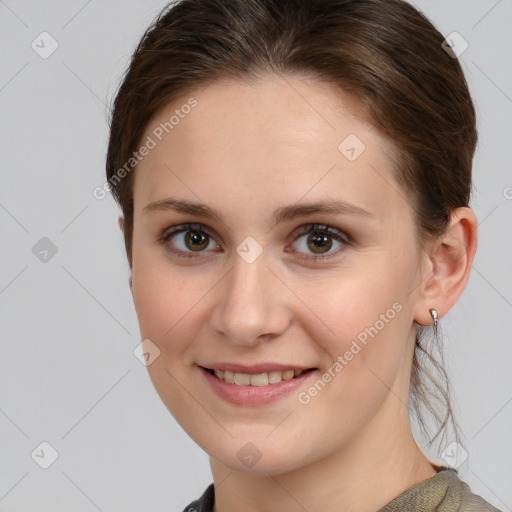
(327,148)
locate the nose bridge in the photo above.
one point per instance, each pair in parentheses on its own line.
(249,307)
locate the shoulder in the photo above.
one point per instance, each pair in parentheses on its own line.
(443,492)
(204,503)
(470,502)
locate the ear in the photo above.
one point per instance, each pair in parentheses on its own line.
(449,266)
(120,222)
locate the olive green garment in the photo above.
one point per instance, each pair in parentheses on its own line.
(443,492)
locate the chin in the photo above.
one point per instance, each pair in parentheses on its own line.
(258,454)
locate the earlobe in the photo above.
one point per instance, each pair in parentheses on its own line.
(451,258)
(120,222)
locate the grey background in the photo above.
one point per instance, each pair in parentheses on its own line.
(68,375)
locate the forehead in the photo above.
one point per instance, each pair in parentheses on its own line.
(271,141)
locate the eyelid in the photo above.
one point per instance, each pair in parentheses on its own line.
(180,228)
(313,227)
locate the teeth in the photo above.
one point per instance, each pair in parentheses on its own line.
(260,379)
(242,379)
(275,377)
(288,374)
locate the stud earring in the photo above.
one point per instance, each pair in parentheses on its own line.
(433,314)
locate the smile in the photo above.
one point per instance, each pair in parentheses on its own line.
(259,379)
(252,389)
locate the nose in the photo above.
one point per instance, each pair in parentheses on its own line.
(251,305)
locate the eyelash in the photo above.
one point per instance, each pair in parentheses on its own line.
(306,229)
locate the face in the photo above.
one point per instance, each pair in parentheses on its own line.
(270,235)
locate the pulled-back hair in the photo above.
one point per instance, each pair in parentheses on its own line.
(384,53)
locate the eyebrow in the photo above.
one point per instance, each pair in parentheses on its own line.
(284,213)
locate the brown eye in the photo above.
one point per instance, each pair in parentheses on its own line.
(187,239)
(319,242)
(196,241)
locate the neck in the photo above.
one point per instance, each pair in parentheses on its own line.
(381,463)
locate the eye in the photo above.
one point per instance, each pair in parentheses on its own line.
(319,239)
(186,239)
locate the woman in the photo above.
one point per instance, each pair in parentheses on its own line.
(294,179)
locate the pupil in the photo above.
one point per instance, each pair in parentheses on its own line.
(320,241)
(196,239)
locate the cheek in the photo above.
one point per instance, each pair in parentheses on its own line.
(167,307)
(363,331)
(161,298)
(354,305)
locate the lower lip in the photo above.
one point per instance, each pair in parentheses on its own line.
(255,395)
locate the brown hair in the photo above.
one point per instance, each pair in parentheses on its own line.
(385,53)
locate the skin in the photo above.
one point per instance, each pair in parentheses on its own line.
(246,150)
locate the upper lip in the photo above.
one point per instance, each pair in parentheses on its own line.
(255,368)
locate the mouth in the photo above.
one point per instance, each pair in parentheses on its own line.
(256,389)
(258,379)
